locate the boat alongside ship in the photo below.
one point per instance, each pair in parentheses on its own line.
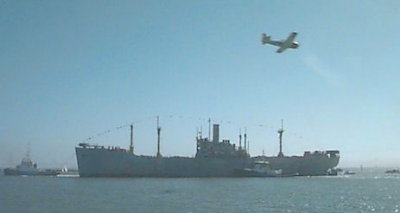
(260,169)
(214,158)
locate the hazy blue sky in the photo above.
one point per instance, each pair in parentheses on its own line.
(73,69)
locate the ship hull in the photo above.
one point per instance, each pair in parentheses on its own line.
(115,163)
(101,162)
(16,172)
(303,165)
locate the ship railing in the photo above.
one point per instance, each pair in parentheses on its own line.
(116,148)
(94,146)
(333,153)
(87,145)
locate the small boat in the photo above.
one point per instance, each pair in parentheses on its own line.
(334,172)
(349,172)
(393,171)
(260,169)
(28,168)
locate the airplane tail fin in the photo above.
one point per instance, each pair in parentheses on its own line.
(264,38)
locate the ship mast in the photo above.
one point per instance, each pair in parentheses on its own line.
(131,144)
(280,132)
(240,138)
(245,139)
(28,152)
(209,129)
(158,137)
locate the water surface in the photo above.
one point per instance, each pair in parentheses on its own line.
(367,191)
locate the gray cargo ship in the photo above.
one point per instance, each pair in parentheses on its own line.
(214,158)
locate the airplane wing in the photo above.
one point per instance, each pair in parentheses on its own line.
(281,49)
(291,37)
(287,42)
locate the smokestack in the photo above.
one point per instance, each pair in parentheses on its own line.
(248,147)
(215,133)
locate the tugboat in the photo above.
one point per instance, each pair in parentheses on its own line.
(260,169)
(349,172)
(29,168)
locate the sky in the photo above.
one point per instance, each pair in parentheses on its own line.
(70,70)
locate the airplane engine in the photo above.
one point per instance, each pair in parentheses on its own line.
(295,45)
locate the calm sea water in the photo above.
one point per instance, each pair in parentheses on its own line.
(367,191)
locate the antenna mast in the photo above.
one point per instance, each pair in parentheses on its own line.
(158,137)
(280,132)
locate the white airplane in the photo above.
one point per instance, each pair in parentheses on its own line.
(283,44)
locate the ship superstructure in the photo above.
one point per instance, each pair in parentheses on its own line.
(220,149)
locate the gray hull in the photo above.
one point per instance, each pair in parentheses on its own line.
(116,163)
(303,165)
(16,172)
(101,162)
